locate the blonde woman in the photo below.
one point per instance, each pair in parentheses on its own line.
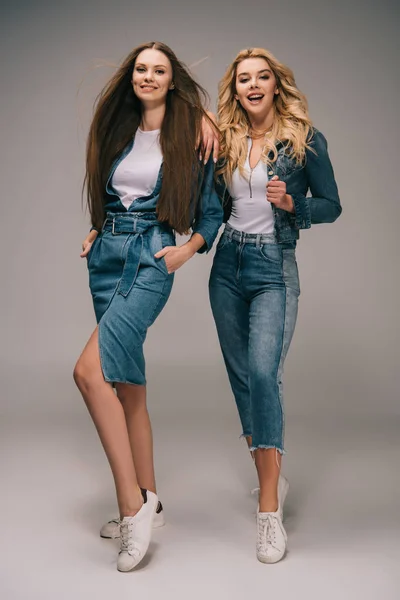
(271,157)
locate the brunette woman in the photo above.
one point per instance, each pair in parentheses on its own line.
(144,183)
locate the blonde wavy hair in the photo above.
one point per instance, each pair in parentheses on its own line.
(292,125)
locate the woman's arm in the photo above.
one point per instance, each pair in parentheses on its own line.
(208,142)
(207,221)
(324,204)
(209,213)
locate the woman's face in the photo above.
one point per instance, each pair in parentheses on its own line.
(255,86)
(152,77)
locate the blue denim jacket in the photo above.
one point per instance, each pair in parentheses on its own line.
(207,218)
(315,175)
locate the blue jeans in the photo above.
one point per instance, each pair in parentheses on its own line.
(254,290)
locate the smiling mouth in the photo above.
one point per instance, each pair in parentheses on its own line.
(255,98)
(147,87)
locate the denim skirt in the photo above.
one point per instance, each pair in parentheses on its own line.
(129,288)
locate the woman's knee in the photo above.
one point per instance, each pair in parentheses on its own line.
(83,375)
(79,373)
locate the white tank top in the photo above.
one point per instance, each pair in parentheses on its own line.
(136,175)
(251,211)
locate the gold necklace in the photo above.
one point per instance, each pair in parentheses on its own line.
(257,135)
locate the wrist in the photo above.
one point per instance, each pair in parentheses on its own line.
(189,249)
(211,115)
(92,235)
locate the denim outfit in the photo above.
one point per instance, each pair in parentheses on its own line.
(254,290)
(129,286)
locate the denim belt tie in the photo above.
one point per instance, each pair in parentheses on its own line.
(135,227)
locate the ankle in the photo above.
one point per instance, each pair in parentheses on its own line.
(268,508)
(268,503)
(131,509)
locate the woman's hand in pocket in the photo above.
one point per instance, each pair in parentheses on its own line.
(87,243)
(175,256)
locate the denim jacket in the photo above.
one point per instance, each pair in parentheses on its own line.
(207,218)
(314,175)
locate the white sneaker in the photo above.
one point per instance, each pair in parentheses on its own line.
(283,488)
(271,537)
(271,534)
(136,533)
(111,529)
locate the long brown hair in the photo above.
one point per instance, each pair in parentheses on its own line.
(116,118)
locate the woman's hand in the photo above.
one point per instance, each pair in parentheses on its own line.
(87,242)
(175,256)
(208,140)
(276,194)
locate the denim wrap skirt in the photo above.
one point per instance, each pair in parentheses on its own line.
(129,288)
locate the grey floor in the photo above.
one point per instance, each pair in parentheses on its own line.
(342,511)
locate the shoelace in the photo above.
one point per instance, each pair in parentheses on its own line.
(267,526)
(127,542)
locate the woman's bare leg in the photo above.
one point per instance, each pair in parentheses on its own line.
(133,401)
(268,465)
(109,419)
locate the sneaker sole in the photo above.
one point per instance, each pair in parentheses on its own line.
(271,561)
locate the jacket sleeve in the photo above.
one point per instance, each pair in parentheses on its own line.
(224,197)
(323,206)
(209,213)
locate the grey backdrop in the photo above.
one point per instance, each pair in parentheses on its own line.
(341,377)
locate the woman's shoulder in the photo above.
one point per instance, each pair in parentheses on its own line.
(316,138)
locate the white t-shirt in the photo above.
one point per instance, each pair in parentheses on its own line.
(136,175)
(251,211)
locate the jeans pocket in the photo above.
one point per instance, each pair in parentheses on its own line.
(222,242)
(272,253)
(164,239)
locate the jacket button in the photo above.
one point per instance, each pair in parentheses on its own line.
(270,172)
